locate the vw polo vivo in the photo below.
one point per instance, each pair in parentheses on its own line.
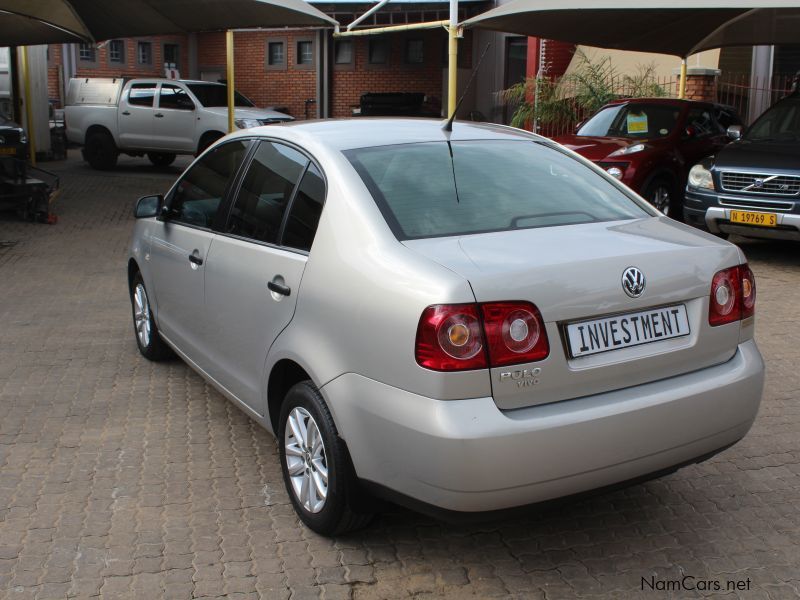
(463,320)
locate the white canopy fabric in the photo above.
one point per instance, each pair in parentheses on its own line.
(106,19)
(677,27)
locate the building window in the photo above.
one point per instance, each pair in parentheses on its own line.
(116,51)
(276,53)
(378,51)
(86,52)
(144,53)
(415,52)
(343,51)
(171,54)
(305,52)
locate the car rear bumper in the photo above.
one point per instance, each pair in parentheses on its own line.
(467,455)
(706,211)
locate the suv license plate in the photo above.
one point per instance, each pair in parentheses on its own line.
(745,217)
(627,330)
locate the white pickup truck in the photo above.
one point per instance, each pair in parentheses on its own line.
(157,117)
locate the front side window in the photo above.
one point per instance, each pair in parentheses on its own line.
(142,94)
(215,94)
(635,121)
(116,51)
(497,185)
(301,225)
(174,97)
(200,191)
(258,211)
(701,122)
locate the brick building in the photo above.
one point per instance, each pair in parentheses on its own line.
(304,71)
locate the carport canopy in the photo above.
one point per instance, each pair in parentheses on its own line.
(677,27)
(18,30)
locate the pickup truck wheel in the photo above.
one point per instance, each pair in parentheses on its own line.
(100,151)
(207,139)
(161,159)
(316,465)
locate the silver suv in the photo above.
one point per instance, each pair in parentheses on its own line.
(462,321)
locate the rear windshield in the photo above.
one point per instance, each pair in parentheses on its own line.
(424,191)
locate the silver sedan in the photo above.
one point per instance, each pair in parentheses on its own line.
(462,321)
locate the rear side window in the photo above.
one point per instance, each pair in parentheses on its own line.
(265,193)
(425,191)
(199,193)
(142,94)
(306,210)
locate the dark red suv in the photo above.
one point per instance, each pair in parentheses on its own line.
(651,143)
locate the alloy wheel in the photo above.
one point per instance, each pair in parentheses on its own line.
(141,315)
(305,460)
(660,198)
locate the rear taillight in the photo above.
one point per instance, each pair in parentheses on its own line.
(458,337)
(449,338)
(515,333)
(733,295)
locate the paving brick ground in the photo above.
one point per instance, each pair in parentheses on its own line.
(126,479)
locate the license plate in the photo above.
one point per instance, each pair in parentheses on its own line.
(7,151)
(745,217)
(627,330)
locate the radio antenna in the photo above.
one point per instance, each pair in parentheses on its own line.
(448,126)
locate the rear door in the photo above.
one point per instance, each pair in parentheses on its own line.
(255,265)
(136,116)
(180,246)
(175,119)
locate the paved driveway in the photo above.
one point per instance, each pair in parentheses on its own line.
(127,479)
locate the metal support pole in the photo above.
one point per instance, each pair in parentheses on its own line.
(229,79)
(26,84)
(452,63)
(391,29)
(682,83)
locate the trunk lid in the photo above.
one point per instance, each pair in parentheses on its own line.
(574,273)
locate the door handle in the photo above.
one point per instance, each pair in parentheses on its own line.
(126,113)
(159,115)
(283,290)
(195,259)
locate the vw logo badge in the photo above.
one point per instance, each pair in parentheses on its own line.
(633,282)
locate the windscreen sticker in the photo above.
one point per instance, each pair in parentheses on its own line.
(637,123)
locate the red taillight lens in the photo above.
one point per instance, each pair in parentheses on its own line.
(514,332)
(733,296)
(449,338)
(456,337)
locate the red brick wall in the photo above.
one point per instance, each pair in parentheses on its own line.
(53,63)
(282,88)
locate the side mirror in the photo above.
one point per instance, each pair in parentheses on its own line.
(735,132)
(148,207)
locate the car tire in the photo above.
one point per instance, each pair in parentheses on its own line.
(148,339)
(660,192)
(100,151)
(161,159)
(207,139)
(318,462)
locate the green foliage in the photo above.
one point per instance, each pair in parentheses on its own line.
(590,86)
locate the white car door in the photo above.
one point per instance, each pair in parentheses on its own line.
(180,245)
(135,116)
(175,119)
(256,263)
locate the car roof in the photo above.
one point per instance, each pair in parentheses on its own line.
(361,132)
